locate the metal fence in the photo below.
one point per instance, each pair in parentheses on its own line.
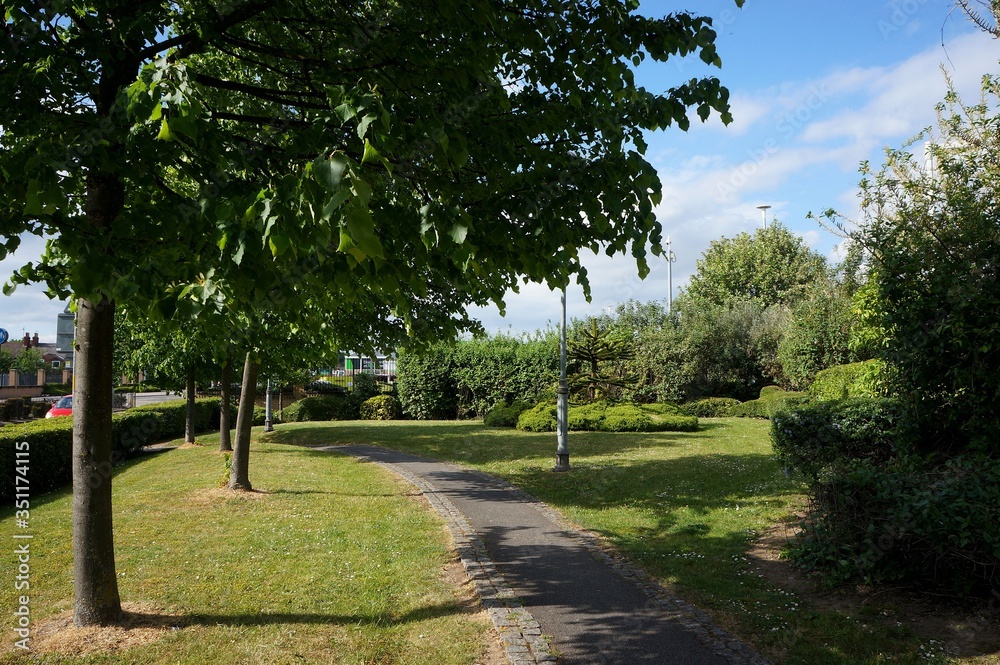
(27,379)
(4,379)
(53,376)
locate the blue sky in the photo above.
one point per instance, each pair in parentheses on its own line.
(816,88)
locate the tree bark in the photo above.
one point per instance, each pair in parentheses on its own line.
(225,437)
(96,599)
(189,392)
(239,472)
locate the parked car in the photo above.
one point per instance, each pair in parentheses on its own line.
(63,407)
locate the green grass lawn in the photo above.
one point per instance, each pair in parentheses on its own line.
(334,563)
(685,506)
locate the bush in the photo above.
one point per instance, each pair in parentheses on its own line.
(505,415)
(539,418)
(601,417)
(318,408)
(772,400)
(711,407)
(381,407)
(847,381)
(57,389)
(324,388)
(823,438)
(426,386)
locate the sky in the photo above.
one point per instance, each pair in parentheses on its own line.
(816,88)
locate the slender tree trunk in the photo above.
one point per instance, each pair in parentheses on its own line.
(225,437)
(189,392)
(96,599)
(239,472)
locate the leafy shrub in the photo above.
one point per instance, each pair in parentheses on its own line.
(381,407)
(772,400)
(318,408)
(539,418)
(425,383)
(847,381)
(711,407)
(57,389)
(822,438)
(505,415)
(586,417)
(926,524)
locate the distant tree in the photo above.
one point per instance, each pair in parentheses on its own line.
(6,360)
(596,349)
(28,360)
(819,334)
(773,266)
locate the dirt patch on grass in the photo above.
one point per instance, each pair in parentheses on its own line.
(964,628)
(140,625)
(208,496)
(465,595)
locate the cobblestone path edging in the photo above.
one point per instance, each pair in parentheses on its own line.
(520,633)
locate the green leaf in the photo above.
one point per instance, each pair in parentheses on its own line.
(362,230)
(370,153)
(165,134)
(278,243)
(330,172)
(32,201)
(157,113)
(458,233)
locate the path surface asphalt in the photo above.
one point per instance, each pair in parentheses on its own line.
(593,614)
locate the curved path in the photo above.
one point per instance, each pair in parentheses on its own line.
(552,592)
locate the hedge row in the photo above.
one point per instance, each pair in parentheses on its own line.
(50,442)
(603,417)
(351,407)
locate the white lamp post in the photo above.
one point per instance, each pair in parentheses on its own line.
(562,399)
(763,209)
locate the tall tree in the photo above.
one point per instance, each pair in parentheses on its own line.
(179,153)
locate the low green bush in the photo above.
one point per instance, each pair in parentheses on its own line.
(847,381)
(381,407)
(602,417)
(320,407)
(821,439)
(505,415)
(772,400)
(57,389)
(539,418)
(49,460)
(711,407)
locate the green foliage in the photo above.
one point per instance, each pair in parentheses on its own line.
(821,439)
(320,407)
(771,402)
(934,238)
(28,361)
(6,360)
(471,377)
(604,417)
(57,389)
(50,440)
(593,345)
(848,381)
(505,415)
(711,407)
(539,418)
(819,335)
(381,407)
(773,266)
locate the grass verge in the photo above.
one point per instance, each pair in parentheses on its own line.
(331,562)
(687,507)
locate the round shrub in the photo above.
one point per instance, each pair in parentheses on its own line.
(847,381)
(317,408)
(540,418)
(381,407)
(505,415)
(711,407)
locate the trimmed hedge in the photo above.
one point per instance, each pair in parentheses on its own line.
(602,417)
(381,407)
(773,400)
(50,442)
(711,407)
(320,407)
(824,438)
(847,381)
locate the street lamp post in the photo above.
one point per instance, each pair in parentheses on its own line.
(562,403)
(671,259)
(268,424)
(763,209)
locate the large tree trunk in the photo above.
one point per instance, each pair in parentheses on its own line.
(239,472)
(225,437)
(95,582)
(189,392)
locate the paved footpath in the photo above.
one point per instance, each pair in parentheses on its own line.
(552,592)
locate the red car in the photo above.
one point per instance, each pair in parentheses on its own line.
(64,407)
